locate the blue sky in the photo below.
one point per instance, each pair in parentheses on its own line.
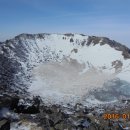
(110,18)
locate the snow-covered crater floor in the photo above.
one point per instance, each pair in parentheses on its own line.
(73,70)
(66,82)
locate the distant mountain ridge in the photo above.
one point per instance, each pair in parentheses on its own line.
(91,39)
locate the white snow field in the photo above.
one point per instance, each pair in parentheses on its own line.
(73,70)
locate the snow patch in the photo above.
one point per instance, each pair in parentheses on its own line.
(64,83)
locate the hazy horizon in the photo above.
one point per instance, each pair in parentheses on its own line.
(99,18)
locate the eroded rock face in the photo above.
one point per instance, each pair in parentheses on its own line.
(111,43)
(117,65)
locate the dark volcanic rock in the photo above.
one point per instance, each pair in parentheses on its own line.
(71,40)
(4,124)
(9,101)
(29,110)
(28,106)
(116,45)
(69,34)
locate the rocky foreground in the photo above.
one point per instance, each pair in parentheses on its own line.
(18,113)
